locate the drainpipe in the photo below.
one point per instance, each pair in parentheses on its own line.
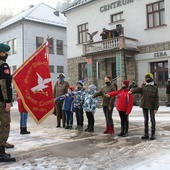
(22,41)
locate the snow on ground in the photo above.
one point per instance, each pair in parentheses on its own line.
(51,148)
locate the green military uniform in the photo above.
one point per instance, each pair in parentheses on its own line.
(5,98)
(149,102)
(60,88)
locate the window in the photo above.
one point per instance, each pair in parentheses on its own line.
(155,14)
(10,44)
(39,41)
(51,46)
(82,71)
(59,47)
(60,69)
(116,17)
(14,46)
(160,72)
(14,68)
(82,33)
(51,68)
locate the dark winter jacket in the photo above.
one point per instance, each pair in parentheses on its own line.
(124,100)
(68,101)
(106,101)
(168,88)
(149,96)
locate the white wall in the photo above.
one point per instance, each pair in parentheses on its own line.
(135,23)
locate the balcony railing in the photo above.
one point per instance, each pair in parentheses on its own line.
(117,43)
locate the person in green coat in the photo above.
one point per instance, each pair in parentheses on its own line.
(149,103)
(107,103)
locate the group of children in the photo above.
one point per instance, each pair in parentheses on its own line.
(79,100)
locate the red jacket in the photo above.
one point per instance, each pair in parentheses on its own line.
(124,100)
(20,105)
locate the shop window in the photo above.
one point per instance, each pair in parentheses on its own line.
(116,17)
(59,44)
(155,14)
(82,33)
(82,69)
(39,41)
(160,72)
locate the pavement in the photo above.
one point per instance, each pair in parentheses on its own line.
(58,148)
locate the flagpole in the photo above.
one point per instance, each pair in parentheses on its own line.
(48,47)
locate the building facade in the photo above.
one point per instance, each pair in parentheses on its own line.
(27,31)
(138,41)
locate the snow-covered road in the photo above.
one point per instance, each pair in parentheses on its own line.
(48,147)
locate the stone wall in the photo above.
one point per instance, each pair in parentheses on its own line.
(73,74)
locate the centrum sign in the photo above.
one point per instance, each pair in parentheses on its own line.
(115,5)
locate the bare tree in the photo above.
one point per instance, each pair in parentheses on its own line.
(5,17)
(61,5)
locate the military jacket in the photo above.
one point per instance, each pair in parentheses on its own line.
(149,96)
(5,83)
(106,101)
(60,88)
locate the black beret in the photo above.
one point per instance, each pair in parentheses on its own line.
(4,47)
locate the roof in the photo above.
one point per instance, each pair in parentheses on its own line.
(77,4)
(39,13)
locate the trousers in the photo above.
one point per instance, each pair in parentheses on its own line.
(108,115)
(4,124)
(23,119)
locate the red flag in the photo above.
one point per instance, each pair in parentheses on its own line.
(32,81)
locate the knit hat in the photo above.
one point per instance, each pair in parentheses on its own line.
(92,87)
(72,88)
(126,82)
(80,82)
(61,75)
(4,47)
(149,75)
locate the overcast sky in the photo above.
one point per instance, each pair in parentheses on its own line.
(15,6)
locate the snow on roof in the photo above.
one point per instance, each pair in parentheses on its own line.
(39,13)
(77,4)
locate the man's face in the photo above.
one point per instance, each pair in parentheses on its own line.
(2,54)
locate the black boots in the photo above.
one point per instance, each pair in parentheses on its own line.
(4,157)
(90,128)
(124,132)
(24,131)
(152,135)
(146,135)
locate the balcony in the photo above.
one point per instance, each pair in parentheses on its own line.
(114,44)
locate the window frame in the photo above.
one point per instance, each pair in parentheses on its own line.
(157,70)
(115,15)
(51,67)
(37,42)
(153,12)
(82,70)
(82,33)
(58,48)
(60,69)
